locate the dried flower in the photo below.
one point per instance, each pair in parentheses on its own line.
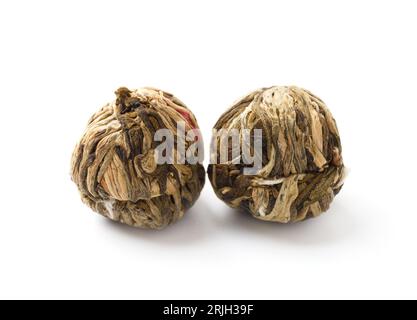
(115,164)
(302,168)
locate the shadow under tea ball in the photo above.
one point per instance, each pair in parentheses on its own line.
(115,168)
(302,166)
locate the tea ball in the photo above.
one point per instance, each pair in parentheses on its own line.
(116,168)
(300,154)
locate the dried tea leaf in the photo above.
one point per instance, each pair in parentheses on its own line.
(302,166)
(114,164)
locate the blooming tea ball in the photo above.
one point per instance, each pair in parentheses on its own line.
(115,167)
(300,154)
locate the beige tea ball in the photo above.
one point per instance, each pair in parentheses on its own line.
(301,156)
(115,168)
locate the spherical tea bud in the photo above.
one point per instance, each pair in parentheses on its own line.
(294,136)
(121,173)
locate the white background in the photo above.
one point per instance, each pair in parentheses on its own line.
(60,61)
